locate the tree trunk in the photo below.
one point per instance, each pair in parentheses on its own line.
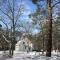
(13,31)
(10,55)
(49,35)
(43,45)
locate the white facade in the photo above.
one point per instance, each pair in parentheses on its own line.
(24,45)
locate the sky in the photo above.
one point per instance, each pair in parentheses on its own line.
(28,5)
(30,8)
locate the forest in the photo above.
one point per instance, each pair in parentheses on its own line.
(38,19)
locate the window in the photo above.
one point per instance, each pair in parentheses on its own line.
(23,42)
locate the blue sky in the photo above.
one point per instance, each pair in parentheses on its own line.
(28,5)
(30,8)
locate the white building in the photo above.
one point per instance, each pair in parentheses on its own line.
(24,45)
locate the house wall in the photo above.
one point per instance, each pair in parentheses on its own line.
(24,45)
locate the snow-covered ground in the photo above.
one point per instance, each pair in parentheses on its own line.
(29,56)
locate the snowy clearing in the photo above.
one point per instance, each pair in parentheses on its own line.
(29,56)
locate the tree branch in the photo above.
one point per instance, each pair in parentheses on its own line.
(4,23)
(6,14)
(4,37)
(18,14)
(55,4)
(10,6)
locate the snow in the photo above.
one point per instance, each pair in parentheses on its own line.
(29,56)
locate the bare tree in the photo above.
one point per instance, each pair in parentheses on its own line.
(12,13)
